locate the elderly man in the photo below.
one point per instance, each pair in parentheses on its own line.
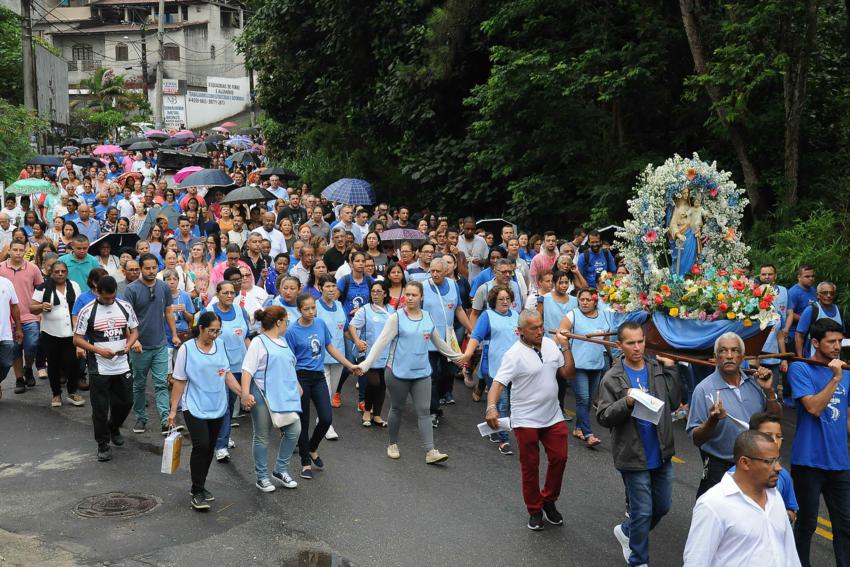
(317,224)
(87,225)
(276,189)
(721,407)
(301,270)
(503,274)
(270,233)
(823,308)
(742,520)
(6,230)
(529,368)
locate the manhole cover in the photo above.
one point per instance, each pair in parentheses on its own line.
(116,505)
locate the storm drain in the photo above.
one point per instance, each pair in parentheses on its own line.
(116,505)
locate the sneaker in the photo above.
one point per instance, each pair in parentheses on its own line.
(535,522)
(494,438)
(435,421)
(505,448)
(361,407)
(624,541)
(551,514)
(265,485)
(433,457)
(20,386)
(104,453)
(336,400)
(117,438)
(285,479)
(30,379)
(392,452)
(140,426)
(450,399)
(306,472)
(76,400)
(442,401)
(222,455)
(231,444)
(56,402)
(318,463)
(198,502)
(331,435)
(208,497)
(234,424)
(42,373)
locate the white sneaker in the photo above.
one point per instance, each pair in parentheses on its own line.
(231,444)
(285,479)
(392,452)
(624,541)
(265,485)
(331,435)
(222,455)
(433,457)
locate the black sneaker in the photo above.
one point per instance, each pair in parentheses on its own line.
(20,386)
(104,453)
(140,427)
(505,448)
(494,438)
(208,497)
(552,515)
(198,502)
(318,463)
(306,473)
(29,379)
(535,522)
(117,438)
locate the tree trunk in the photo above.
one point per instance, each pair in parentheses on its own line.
(794,90)
(736,133)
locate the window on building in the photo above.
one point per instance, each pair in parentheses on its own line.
(185,11)
(82,52)
(170,52)
(212,51)
(121,52)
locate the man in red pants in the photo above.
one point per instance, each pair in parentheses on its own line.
(529,368)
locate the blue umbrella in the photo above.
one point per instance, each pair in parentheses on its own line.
(207,178)
(46,160)
(350,191)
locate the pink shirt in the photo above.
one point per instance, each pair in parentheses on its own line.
(217,274)
(539,263)
(24,279)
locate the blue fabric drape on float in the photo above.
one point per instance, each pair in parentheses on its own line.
(697,335)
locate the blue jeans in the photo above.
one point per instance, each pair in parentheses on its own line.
(688,378)
(7,357)
(29,346)
(316,389)
(224,432)
(650,496)
(809,484)
(154,360)
(585,385)
(261,422)
(503,405)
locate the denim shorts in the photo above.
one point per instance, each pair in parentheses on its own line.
(31,335)
(7,357)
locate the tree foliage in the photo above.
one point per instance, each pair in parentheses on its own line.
(17,125)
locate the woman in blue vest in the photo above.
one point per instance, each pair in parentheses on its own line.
(554,306)
(364,330)
(410,330)
(288,288)
(589,358)
(329,310)
(497,326)
(235,326)
(202,377)
(310,340)
(269,384)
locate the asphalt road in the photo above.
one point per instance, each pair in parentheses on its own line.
(363,508)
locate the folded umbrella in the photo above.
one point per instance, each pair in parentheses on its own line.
(107,149)
(350,191)
(186,172)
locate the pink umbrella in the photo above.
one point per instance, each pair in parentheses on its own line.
(229,125)
(186,172)
(221,130)
(149,132)
(107,149)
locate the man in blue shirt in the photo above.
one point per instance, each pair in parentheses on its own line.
(595,260)
(767,275)
(721,407)
(819,459)
(800,296)
(823,308)
(642,451)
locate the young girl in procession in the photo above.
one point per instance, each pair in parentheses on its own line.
(309,338)
(408,370)
(270,384)
(364,329)
(589,358)
(331,312)
(202,394)
(395,286)
(554,306)
(183,310)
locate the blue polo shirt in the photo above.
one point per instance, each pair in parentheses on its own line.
(741,403)
(820,441)
(798,300)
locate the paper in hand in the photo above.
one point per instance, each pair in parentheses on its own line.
(504,425)
(647,407)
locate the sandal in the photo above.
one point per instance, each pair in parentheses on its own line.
(577,433)
(592,441)
(380,423)
(366,423)
(476,395)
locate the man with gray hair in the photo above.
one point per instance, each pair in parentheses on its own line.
(529,368)
(823,308)
(721,407)
(6,230)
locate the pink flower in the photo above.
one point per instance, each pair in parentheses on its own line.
(650,237)
(701,315)
(713,192)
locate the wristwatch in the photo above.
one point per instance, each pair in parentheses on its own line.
(564,348)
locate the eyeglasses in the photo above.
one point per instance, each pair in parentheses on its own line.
(227,292)
(151,293)
(769,462)
(213,332)
(827,293)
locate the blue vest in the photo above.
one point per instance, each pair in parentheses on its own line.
(280,380)
(780,303)
(589,356)
(440,307)
(206,391)
(233,334)
(517,304)
(553,311)
(291,310)
(410,348)
(375,322)
(335,320)
(503,335)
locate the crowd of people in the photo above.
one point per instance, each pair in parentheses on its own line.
(271,308)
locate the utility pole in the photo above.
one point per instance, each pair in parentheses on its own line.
(159,65)
(251,86)
(26,46)
(145,60)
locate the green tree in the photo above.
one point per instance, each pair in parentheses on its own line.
(17,125)
(106,91)
(11,58)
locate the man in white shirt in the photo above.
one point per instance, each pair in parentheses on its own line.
(742,520)
(474,248)
(239,234)
(9,312)
(6,229)
(529,367)
(361,225)
(273,235)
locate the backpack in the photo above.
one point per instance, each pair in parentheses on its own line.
(346,283)
(91,360)
(586,254)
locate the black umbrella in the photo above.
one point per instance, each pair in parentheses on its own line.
(88,142)
(245,157)
(248,195)
(215,138)
(202,147)
(250,131)
(53,161)
(207,178)
(87,161)
(281,172)
(141,146)
(174,143)
(130,141)
(495,225)
(116,240)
